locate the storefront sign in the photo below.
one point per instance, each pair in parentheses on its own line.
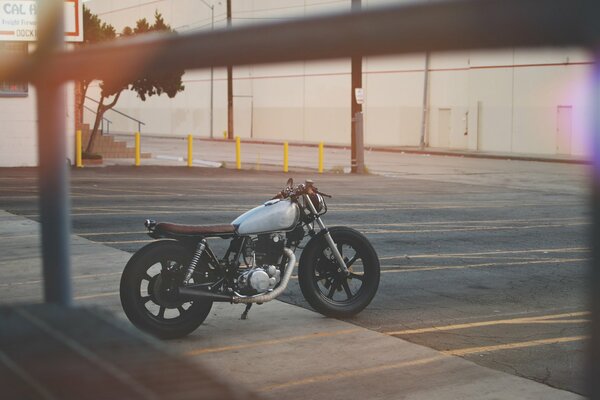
(18,20)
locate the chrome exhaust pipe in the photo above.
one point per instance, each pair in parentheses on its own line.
(264,297)
(189,293)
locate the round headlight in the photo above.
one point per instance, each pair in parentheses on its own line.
(317,201)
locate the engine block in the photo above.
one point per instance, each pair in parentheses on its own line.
(258,280)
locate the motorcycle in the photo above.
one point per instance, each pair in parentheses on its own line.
(168,286)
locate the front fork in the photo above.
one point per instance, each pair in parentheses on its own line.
(342,268)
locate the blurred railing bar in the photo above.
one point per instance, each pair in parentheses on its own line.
(404,28)
(53,175)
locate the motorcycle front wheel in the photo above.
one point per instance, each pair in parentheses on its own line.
(149,291)
(330,292)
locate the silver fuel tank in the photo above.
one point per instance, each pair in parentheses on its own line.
(272,216)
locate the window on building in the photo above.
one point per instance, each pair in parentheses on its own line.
(13,89)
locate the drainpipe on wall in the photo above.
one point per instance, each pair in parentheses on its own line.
(422,143)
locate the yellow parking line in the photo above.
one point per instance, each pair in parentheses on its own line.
(523,320)
(110,233)
(352,373)
(77,277)
(515,345)
(480,228)
(123,190)
(95,296)
(488,221)
(443,255)
(401,269)
(270,342)
(125,241)
(396,269)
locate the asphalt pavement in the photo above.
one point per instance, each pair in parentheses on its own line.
(483,260)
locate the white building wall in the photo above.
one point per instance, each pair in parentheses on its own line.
(493,101)
(18,128)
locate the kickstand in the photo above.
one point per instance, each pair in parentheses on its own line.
(245,313)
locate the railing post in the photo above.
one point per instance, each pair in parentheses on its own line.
(137,149)
(52,168)
(190,155)
(321,157)
(285,156)
(78,144)
(238,153)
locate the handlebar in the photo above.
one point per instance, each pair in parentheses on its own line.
(307,187)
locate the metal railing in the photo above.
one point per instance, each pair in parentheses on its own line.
(108,121)
(400,29)
(139,123)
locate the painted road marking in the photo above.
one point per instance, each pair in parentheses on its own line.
(76,277)
(353,373)
(515,345)
(96,296)
(523,320)
(270,342)
(391,269)
(478,228)
(400,269)
(492,221)
(126,241)
(448,255)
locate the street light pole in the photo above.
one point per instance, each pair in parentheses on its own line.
(212,70)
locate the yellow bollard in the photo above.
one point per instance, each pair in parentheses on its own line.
(321,157)
(285,156)
(190,157)
(224,134)
(137,149)
(78,160)
(238,153)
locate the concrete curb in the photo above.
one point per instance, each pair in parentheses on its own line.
(403,149)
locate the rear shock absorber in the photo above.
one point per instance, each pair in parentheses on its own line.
(195,259)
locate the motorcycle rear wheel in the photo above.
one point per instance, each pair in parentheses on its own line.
(330,292)
(149,291)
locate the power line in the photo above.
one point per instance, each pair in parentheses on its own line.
(131,7)
(291,7)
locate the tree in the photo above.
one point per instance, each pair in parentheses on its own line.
(94,31)
(145,86)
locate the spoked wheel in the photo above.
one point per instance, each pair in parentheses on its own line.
(149,292)
(331,292)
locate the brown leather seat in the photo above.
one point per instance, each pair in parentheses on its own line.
(168,229)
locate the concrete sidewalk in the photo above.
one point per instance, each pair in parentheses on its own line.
(281,350)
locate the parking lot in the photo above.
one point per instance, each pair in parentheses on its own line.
(481,259)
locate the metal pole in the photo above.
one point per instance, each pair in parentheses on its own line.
(53,173)
(212,76)
(360,154)
(212,68)
(425,101)
(229,84)
(355,107)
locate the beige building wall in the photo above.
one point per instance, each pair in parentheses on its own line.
(515,101)
(18,128)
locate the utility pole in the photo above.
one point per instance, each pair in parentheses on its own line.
(229,84)
(425,110)
(356,141)
(212,70)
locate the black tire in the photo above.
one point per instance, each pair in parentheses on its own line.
(161,264)
(330,292)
